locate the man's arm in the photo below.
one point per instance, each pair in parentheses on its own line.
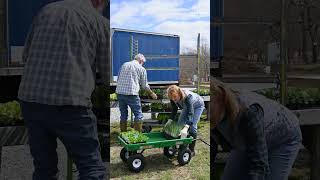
(101,93)
(27,44)
(103,56)
(144,84)
(144,81)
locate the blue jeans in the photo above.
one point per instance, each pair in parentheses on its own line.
(75,126)
(134,103)
(281,159)
(195,118)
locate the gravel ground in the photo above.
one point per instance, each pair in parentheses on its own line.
(115,115)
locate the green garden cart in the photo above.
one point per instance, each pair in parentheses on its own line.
(132,153)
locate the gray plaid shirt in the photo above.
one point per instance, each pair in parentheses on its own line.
(131,76)
(67,41)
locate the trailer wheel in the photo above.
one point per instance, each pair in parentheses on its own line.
(184,156)
(136,163)
(169,151)
(124,154)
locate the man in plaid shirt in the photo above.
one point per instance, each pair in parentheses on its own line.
(67,44)
(131,77)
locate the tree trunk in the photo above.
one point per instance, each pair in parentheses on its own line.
(314,52)
(304,39)
(312,28)
(315,44)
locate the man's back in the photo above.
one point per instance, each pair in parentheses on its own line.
(131,76)
(65,40)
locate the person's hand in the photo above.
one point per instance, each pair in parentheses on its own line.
(168,122)
(154,96)
(184,131)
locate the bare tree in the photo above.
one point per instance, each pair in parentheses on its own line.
(205,59)
(309,27)
(189,51)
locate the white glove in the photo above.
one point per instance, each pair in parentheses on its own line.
(168,122)
(154,96)
(184,131)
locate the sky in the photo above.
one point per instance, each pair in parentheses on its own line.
(185,18)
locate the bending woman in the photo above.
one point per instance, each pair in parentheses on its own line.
(264,135)
(192,106)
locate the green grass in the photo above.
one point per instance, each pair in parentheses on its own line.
(157,166)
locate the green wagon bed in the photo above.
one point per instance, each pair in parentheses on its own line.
(132,153)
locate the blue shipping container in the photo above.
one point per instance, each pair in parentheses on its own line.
(217,30)
(160,50)
(20,16)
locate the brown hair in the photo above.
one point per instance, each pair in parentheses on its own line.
(175,89)
(224,103)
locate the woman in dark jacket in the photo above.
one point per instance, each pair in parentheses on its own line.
(264,135)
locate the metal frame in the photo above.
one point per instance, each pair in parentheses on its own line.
(144,32)
(7,33)
(216,39)
(154,144)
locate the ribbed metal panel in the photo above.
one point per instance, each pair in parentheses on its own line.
(217,31)
(3,33)
(20,16)
(160,50)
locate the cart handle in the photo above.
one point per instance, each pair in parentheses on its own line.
(202,141)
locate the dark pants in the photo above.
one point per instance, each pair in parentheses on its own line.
(75,126)
(281,160)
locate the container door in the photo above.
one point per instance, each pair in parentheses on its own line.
(161,52)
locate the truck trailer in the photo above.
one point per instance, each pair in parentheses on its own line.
(160,50)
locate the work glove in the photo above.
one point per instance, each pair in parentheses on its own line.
(168,122)
(184,131)
(154,96)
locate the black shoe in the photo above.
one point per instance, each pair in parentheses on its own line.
(192,145)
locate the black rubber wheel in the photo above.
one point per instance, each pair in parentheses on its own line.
(184,156)
(136,163)
(169,151)
(124,154)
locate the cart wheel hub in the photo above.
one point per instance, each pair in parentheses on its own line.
(186,157)
(136,163)
(170,151)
